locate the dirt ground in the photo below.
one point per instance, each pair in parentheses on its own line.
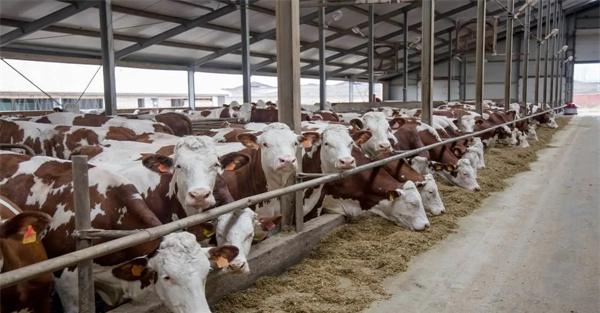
(346,271)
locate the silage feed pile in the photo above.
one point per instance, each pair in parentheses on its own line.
(345,272)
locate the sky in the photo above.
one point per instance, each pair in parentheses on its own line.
(64,77)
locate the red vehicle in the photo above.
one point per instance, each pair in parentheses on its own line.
(571,109)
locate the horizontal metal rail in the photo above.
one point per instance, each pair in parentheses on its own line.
(27,149)
(149,234)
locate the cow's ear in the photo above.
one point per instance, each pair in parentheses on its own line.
(308,139)
(26,227)
(248,140)
(397,122)
(158,163)
(360,137)
(136,269)
(436,166)
(269,223)
(449,167)
(394,194)
(356,124)
(202,231)
(233,161)
(457,152)
(220,257)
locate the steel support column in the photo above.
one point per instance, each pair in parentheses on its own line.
(449,66)
(516,73)
(427,32)
(536,96)
(371,52)
(108,57)
(350,90)
(191,88)
(322,62)
(525,54)
(508,53)
(554,51)
(405,58)
(288,92)
(246,71)
(479,56)
(547,52)
(463,78)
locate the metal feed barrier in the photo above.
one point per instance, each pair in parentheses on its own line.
(86,253)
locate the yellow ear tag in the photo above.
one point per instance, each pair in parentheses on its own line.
(207,232)
(30,235)
(221,262)
(136,270)
(391,197)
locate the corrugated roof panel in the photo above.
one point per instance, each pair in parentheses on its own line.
(208,37)
(30,9)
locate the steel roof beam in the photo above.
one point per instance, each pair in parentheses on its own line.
(167,43)
(270,34)
(41,23)
(175,31)
(393,34)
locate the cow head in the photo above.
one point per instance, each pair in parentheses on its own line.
(532,133)
(244,112)
(521,138)
(237,229)
(404,207)
(381,133)
(336,148)
(420,164)
(472,154)
(178,270)
(12,236)
(430,195)
(463,175)
(466,123)
(195,166)
(278,146)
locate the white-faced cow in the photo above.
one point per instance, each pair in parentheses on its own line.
(176,266)
(375,190)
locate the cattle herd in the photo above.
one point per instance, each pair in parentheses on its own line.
(150,170)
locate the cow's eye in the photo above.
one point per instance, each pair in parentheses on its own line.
(217,164)
(166,277)
(295,143)
(327,143)
(178,166)
(265,145)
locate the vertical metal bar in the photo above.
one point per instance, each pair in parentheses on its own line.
(108,57)
(405,58)
(288,92)
(517,72)
(508,53)
(191,88)
(427,32)
(572,63)
(350,90)
(526,57)
(536,96)
(555,59)
(371,52)
(553,51)
(246,70)
(322,60)
(479,56)
(449,66)
(81,200)
(545,89)
(463,75)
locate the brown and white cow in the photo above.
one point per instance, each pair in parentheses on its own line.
(96,120)
(375,190)
(20,245)
(175,265)
(61,141)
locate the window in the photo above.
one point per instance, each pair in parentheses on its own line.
(84,104)
(140,102)
(154,102)
(6,104)
(177,103)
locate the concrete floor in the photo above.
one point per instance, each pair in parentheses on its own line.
(533,248)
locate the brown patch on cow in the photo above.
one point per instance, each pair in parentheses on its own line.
(161,128)
(10,132)
(95,120)
(75,138)
(43,120)
(122,134)
(180,124)
(205,113)
(166,150)
(89,151)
